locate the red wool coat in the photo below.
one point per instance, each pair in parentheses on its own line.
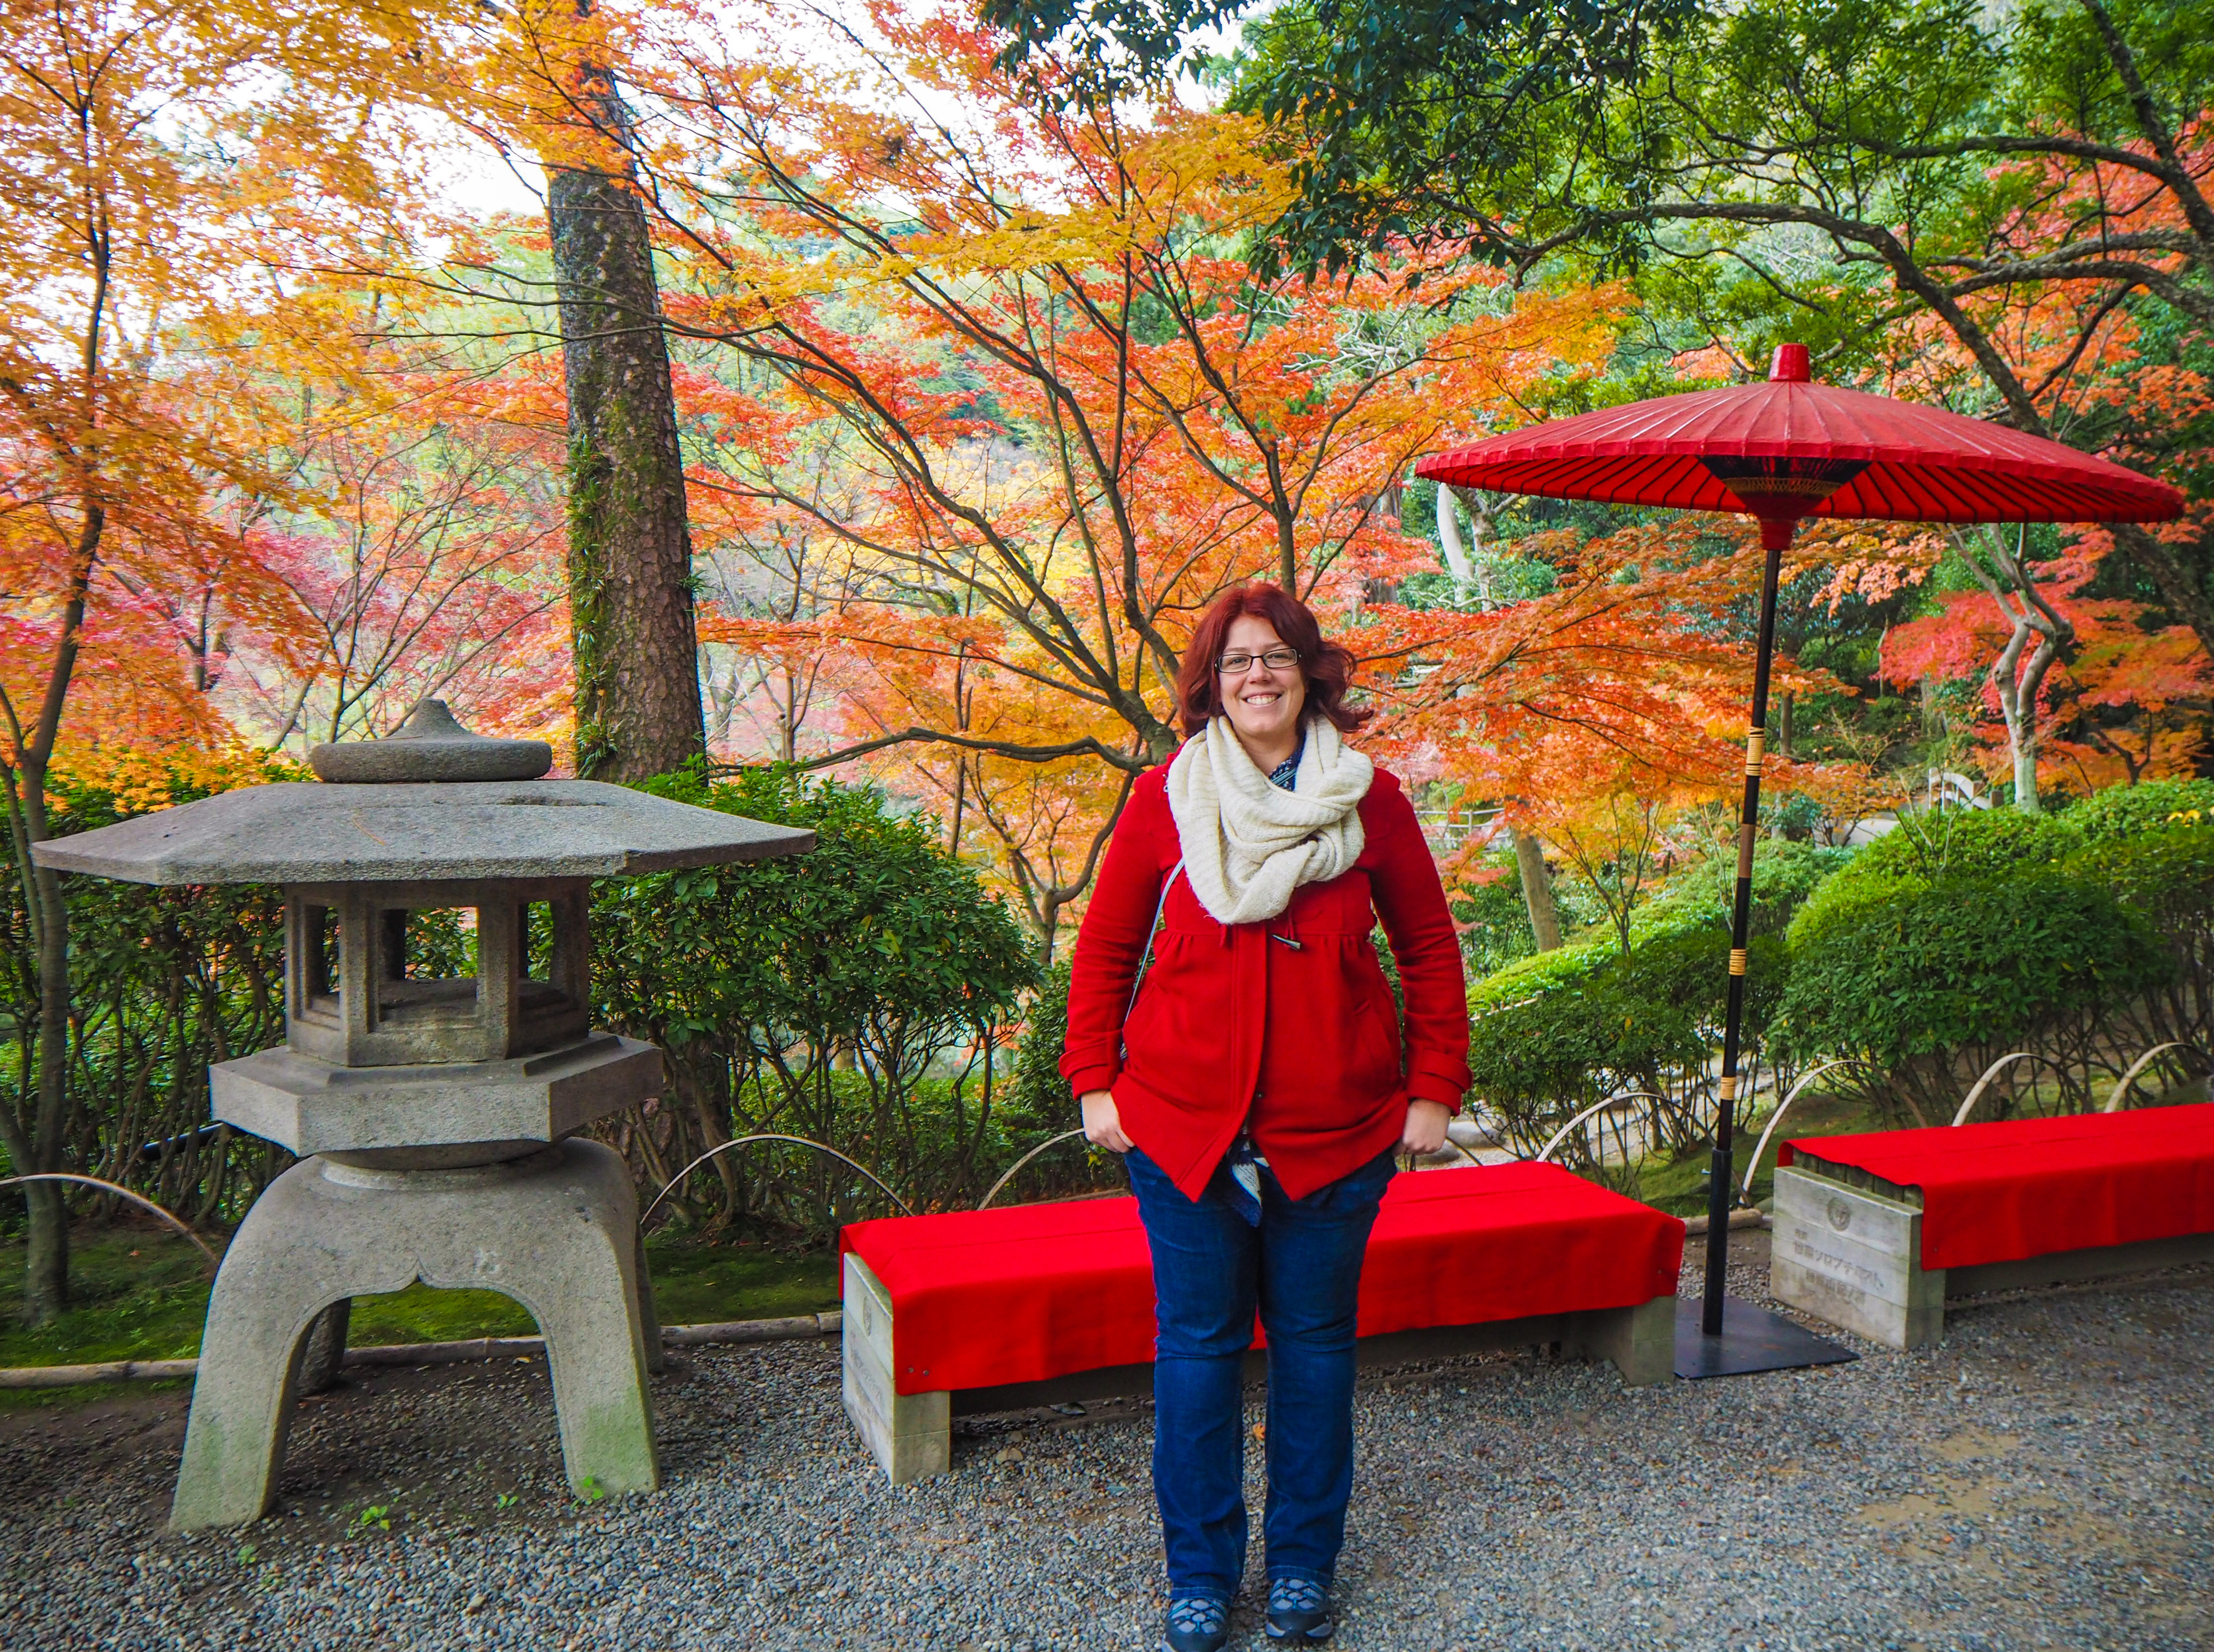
(1230,1021)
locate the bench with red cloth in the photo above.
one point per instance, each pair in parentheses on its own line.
(1875,1232)
(1030,1305)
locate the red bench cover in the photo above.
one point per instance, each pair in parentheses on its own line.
(985,1297)
(2028,1187)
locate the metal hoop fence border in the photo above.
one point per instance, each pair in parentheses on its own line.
(214,1261)
(2122,1086)
(1545,1152)
(671,1185)
(993,1191)
(1752,1165)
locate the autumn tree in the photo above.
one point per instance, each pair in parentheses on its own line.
(634,639)
(2085,690)
(421,557)
(2023,183)
(1005,369)
(173,175)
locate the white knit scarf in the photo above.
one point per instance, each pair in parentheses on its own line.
(1247,844)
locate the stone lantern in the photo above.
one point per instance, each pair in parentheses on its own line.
(435,1115)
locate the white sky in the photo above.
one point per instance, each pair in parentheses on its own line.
(484,184)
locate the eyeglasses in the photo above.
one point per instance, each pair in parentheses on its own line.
(1276,660)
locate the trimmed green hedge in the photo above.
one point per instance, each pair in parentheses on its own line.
(2122,811)
(1555,1033)
(1925,978)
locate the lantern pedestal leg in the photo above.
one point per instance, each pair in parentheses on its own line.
(556,1230)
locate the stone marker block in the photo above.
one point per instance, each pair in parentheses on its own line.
(1854,1258)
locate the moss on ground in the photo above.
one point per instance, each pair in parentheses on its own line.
(143,1295)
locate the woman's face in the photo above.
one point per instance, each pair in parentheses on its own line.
(1263,704)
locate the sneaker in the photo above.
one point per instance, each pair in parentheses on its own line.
(1196,1623)
(1299,1612)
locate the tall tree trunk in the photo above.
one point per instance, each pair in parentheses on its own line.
(1536,891)
(630,551)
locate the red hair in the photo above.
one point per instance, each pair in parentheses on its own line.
(1327,668)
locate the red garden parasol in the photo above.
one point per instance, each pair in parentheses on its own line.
(1781,452)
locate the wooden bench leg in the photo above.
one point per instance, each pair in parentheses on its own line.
(911,1435)
(1640,1342)
(1855,1258)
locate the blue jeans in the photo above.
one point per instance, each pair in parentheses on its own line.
(1301,1268)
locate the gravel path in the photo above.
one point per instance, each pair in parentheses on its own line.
(2040,1480)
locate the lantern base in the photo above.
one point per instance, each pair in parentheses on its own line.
(556,1231)
(309,1105)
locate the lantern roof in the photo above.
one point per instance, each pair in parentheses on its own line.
(431,803)
(313,832)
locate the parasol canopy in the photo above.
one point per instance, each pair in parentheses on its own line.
(1782,451)
(1788,448)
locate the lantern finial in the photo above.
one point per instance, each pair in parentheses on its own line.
(431,745)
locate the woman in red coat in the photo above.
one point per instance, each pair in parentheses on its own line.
(1257,1084)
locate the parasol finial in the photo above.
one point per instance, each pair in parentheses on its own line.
(1789,365)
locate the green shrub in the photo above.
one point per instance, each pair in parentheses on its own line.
(1953,843)
(2122,811)
(2166,874)
(787,991)
(1929,978)
(1037,1090)
(162,982)
(1785,874)
(1541,972)
(1558,1032)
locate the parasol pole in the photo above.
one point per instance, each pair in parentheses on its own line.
(1775,536)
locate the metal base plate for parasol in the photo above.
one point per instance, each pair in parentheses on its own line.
(1752,1339)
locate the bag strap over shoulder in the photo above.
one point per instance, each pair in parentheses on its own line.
(1145,962)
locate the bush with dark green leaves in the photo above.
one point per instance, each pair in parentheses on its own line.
(162,982)
(2122,811)
(822,995)
(1560,1032)
(1785,874)
(1929,977)
(2165,875)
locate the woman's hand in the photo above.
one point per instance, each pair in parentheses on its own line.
(1103,1123)
(1425,1131)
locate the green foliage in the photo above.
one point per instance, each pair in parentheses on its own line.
(162,982)
(2162,872)
(2166,875)
(1561,1031)
(874,933)
(1038,1095)
(1925,977)
(2121,811)
(1540,972)
(1953,843)
(1493,916)
(810,995)
(1785,874)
